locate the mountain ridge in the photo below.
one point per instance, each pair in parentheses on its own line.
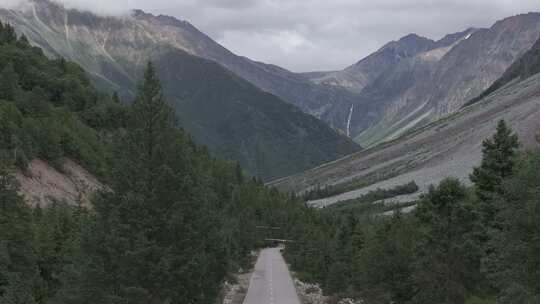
(451,146)
(526,66)
(269,141)
(320,101)
(439,84)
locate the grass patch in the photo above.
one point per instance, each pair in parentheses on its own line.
(364,204)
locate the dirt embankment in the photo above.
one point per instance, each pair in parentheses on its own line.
(42,184)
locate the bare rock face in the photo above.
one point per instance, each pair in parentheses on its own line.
(363,73)
(41,184)
(414,81)
(439,82)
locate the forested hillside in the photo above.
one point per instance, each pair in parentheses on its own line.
(49,109)
(475,245)
(172,222)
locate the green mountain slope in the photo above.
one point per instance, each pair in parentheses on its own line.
(170,224)
(49,110)
(238,121)
(233,118)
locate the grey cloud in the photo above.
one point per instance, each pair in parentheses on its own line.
(305,35)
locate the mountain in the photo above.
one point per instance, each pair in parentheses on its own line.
(389,116)
(388,72)
(449,147)
(524,67)
(359,75)
(426,80)
(229,115)
(329,104)
(291,87)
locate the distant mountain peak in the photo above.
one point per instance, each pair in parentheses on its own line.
(409,45)
(164,19)
(451,39)
(517,22)
(413,37)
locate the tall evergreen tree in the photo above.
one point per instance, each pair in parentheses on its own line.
(448,252)
(156,236)
(498,164)
(385,265)
(514,263)
(9,83)
(7,34)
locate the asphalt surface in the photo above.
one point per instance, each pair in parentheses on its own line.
(271,282)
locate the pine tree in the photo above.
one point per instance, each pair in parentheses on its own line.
(514,261)
(7,34)
(498,164)
(384,266)
(116,98)
(156,236)
(9,83)
(448,251)
(239,173)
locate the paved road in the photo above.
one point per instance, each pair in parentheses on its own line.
(271,282)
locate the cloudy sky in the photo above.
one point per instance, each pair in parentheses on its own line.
(308,35)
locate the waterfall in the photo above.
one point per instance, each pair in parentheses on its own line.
(349,121)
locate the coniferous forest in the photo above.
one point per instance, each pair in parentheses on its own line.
(173,220)
(475,245)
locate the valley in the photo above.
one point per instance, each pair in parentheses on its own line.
(143,162)
(450,147)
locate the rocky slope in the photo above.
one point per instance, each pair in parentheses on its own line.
(423,80)
(41,184)
(388,118)
(235,119)
(450,147)
(524,67)
(363,73)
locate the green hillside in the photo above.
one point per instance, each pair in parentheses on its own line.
(172,222)
(49,109)
(233,118)
(238,121)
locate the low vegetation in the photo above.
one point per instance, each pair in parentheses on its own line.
(332,190)
(378,195)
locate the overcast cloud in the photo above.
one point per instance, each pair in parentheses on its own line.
(308,35)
